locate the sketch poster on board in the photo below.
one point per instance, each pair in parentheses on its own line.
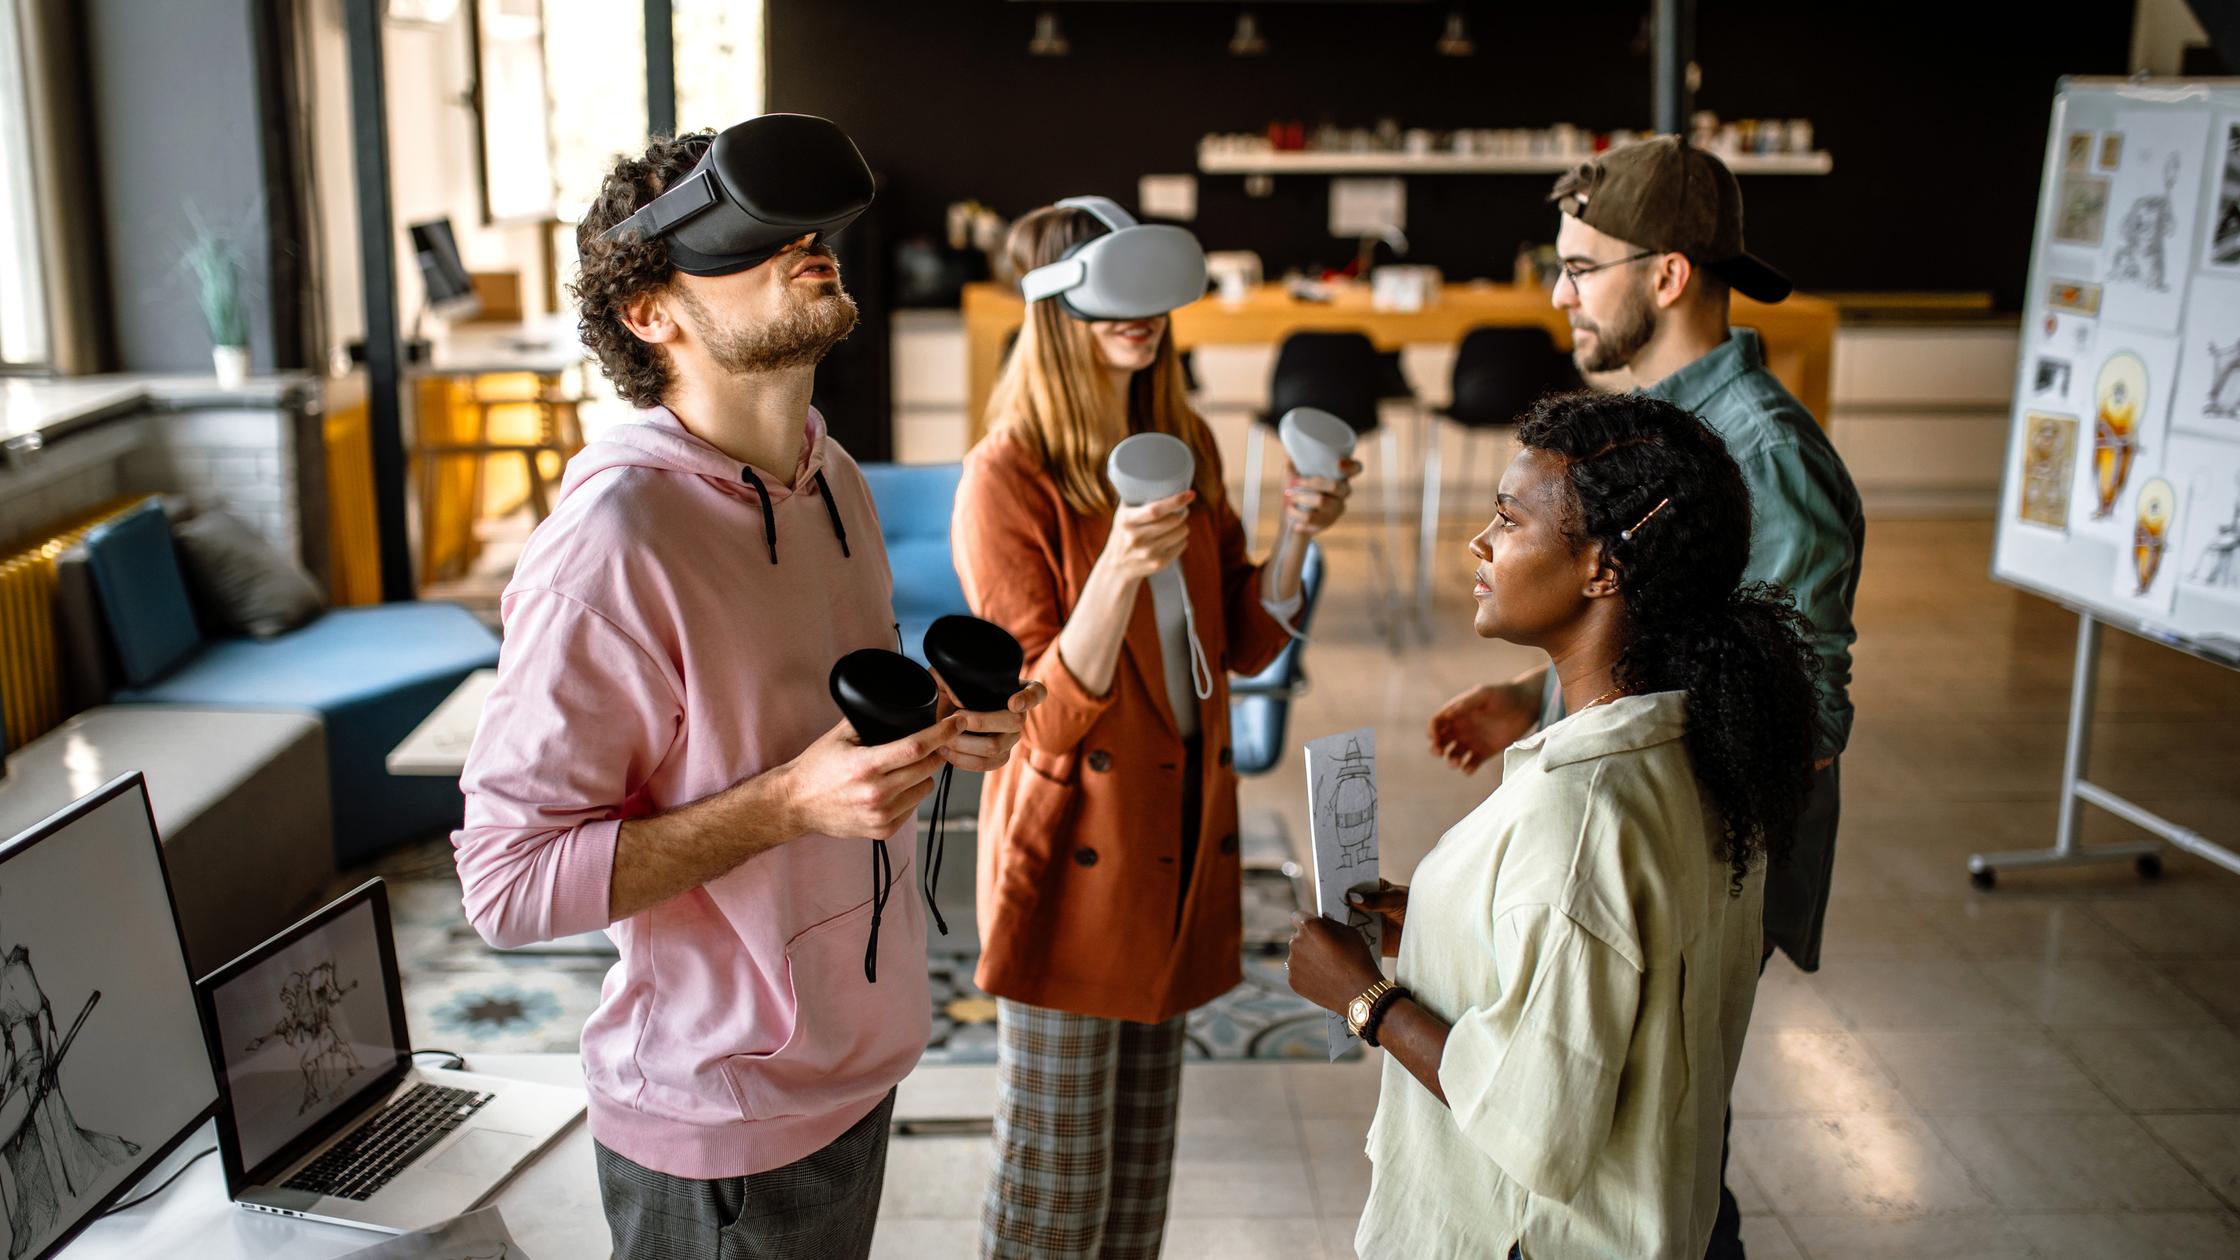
(2124,430)
(2049,469)
(2208,539)
(1342,824)
(2145,579)
(2208,397)
(2151,208)
(2220,248)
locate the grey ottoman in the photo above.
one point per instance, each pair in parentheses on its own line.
(240,798)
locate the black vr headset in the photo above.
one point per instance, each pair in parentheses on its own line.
(760,186)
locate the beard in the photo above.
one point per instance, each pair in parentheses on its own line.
(1619,340)
(812,324)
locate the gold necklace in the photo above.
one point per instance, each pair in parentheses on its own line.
(1605,698)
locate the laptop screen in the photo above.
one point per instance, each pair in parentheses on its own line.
(305,1025)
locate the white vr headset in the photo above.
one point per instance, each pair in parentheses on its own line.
(1134,271)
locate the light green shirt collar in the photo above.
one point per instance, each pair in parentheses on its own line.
(1692,386)
(1626,724)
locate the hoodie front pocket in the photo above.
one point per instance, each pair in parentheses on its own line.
(850,1039)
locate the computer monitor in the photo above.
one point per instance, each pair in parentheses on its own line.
(450,293)
(302,1025)
(103,1055)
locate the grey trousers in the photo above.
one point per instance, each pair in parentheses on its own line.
(821,1207)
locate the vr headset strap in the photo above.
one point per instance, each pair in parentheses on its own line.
(662,215)
(1053,279)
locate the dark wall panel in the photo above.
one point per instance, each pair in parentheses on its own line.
(1936,113)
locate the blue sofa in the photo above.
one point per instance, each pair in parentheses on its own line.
(915,502)
(371,674)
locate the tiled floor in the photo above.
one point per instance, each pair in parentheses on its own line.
(2051,1069)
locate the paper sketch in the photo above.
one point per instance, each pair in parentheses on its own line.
(2147,582)
(2073,295)
(479,1235)
(2082,214)
(2111,150)
(2210,542)
(312,1002)
(2222,249)
(2050,378)
(2207,400)
(50,1161)
(2153,200)
(2049,460)
(2077,153)
(2126,421)
(1342,825)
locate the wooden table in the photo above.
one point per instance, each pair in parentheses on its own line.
(1799,333)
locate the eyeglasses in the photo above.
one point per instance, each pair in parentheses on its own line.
(1572,272)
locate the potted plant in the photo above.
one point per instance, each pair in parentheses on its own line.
(216,269)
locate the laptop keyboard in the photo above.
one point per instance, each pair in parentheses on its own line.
(376,1151)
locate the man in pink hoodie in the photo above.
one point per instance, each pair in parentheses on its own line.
(661,758)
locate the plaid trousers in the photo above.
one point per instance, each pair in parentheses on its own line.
(1084,1136)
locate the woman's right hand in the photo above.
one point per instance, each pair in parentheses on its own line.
(1148,537)
(1390,902)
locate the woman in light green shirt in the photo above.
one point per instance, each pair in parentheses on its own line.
(1580,953)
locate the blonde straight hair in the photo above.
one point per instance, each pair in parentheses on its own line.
(1055,399)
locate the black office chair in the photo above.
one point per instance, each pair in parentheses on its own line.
(1341,373)
(1498,374)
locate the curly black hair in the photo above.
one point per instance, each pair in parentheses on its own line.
(1737,649)
(613,272)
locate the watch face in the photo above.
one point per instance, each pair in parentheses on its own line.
(1358,1012)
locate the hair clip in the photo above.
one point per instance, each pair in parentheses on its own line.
(1627,535)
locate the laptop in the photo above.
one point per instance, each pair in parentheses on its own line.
(322,1113)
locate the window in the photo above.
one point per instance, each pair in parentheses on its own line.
(719,62)
(23,300)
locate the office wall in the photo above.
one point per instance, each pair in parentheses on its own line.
(175,125)
(1936,113)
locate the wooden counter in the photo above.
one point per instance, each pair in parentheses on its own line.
(1799,333)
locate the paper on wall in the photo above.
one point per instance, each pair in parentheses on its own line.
(2150,236)
(1167,197)
(2125,422)
(1361,206)
(2207,547)
(2207,398)
(2220,236)
(1342,826)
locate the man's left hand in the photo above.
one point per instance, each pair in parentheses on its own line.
(987,739)
(1330,963)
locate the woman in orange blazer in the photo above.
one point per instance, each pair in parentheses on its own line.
(1109,897)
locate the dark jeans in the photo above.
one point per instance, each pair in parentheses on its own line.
(820,1207)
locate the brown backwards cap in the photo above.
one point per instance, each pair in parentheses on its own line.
(1667,195)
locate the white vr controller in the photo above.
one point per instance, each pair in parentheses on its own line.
(1144,469)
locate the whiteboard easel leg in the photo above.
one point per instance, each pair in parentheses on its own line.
(2068,848)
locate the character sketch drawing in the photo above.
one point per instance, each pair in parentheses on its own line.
(2218,565)
(312,1001)
(1351,805)
(2224,400)
(46,1160)
(2146,226)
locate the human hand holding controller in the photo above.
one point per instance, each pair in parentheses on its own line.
(1149,469)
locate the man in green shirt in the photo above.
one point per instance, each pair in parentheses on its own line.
(1651,246)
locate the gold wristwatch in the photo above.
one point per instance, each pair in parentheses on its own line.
(1361,1012)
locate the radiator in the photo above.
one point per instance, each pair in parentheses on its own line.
(30,669)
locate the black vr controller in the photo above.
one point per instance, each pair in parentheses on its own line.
(887,696)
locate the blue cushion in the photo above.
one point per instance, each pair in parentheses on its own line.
(143,595)
(372,674)
(915,503)
(1260,706)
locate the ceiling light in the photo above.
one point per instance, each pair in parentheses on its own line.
(1246,42)
(1048,40)
(1455,41)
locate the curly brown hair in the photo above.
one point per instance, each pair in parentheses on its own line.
(613,272)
